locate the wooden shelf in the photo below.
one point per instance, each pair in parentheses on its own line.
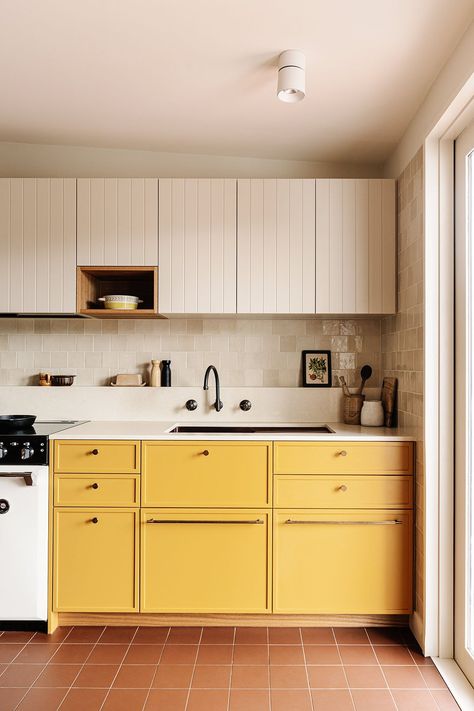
(94,282)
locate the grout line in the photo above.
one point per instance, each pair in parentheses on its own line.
(343,667)
(424,680)
(119,668)
(231,669)
(71,685)
(382,671)
(306,670)
(194,668)
(156,667)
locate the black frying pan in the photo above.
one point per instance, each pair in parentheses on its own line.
(13,423)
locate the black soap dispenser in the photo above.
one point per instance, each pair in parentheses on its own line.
(165,373)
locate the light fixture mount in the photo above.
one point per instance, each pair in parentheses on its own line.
(291,76)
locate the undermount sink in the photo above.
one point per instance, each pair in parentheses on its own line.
(229,429)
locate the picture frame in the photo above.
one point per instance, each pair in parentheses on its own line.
(317,369)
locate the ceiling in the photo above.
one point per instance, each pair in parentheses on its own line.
(199,76)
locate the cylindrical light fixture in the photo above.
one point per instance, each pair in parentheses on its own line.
(291,76)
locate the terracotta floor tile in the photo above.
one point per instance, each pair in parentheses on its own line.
(83,699)
(85,634)
(215,654)
(318,635)
(108,654)
(42,700)
(288,677)
(385,635)
(373,700)
(16,637)
(286,654)
(249,700)
(185,635)
(124,700)
(59,635)
(296,700)
(327,677)
(144,654)
(251,635)
(217,635)
(166,700)
(351,635)
(58,675)
(391,656)
(432,677)
(118,635)
(96,676)
(414,700)
(322,654)
(72,653)
(179,654)
(207,700)
(284,635)
(135,676)
(151,635)
(211,676)
(171,676)
(20,675)
(332,700)
(251,654)
(37,653)
(359,677)
(445,700)
(8,652)
(357,654)
(418,657)
(252,677)
(10,698)
(404,677)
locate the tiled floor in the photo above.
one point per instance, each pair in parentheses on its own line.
(218,669)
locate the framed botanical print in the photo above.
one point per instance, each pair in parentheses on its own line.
(317,369)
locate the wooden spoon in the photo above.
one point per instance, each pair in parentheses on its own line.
(365,373)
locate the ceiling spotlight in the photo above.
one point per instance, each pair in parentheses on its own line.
(291,76)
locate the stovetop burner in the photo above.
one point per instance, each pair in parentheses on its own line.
(30,446)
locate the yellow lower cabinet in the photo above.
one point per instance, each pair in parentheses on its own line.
(342,562)
(205,561)
(95,560)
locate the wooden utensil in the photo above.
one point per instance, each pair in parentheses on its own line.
(365,373)
(389,399)
(345,389)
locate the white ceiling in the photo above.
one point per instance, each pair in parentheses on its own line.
(199,76)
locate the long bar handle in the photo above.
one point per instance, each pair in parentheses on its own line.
(27,476)
(160,520)
(394,522)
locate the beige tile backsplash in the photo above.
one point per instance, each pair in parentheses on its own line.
(250,352)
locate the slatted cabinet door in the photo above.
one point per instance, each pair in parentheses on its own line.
(117,222)
(197,255)
(276,246)
(37,245)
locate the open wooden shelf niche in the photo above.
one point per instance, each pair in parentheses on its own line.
(94,282)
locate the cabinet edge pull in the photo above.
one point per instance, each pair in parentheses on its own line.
(394,522)
(160,520)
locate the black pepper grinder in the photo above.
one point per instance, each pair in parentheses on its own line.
(165,374)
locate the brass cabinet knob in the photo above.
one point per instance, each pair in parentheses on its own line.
(342,453)
(343,487)
(206,452)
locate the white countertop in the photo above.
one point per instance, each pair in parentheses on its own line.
(151,430)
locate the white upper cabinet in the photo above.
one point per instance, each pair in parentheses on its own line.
(117,222)
(355,246)
(197,246)
(37,245)
(276,246)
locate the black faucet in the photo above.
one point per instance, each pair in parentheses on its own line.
(218,403)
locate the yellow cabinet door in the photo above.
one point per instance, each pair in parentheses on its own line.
(206,474)
(95,560)
(205,561)
(96,490)
(343,562)
(100,456)
(343,458)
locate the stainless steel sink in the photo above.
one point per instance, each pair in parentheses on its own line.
(229,429)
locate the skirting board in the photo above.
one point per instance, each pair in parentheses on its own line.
(157,620)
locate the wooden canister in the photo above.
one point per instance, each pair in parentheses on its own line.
(352,407)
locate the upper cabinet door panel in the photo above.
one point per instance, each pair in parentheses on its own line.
(355,246)
(37,245)
(117,222)
(276,246)
(197,256)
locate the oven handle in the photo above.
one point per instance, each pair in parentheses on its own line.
(27,476)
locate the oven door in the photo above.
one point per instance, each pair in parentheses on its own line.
(23,543)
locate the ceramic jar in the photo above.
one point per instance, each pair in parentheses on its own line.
(372,414)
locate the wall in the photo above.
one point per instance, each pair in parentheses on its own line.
(257,352)
(402,336)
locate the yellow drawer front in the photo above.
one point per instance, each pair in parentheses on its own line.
(95,560)
(343,458)
(352,492)
(236,474)
(96,490)
(97,457)
(205,561)
(342,562)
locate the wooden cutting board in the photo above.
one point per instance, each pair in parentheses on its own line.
(389,400)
